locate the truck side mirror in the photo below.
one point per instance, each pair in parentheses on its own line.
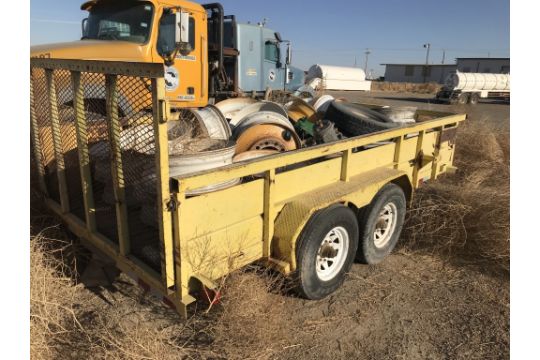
(182,33)
(182,28)
(84,24)
(288,59)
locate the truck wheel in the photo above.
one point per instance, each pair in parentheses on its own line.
(463,99)
(380,224)
(475,97)
(325,251)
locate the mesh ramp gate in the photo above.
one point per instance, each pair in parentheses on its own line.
(99,140)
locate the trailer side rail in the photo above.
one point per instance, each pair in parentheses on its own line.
(343,148)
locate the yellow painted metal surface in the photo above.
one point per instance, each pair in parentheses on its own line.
(301,110)
(162,177)
(82,146)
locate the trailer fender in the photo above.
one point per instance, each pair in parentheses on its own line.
(356,193)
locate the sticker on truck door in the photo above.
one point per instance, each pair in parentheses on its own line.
(272,75)
(172,78)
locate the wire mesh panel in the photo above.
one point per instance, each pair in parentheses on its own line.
(99,150)
(66,120)
(137,143)
(43,132)
(34,180)
(97,145)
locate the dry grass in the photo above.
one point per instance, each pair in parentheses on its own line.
(253,316)
(428,88)
(52,297)
(70,321)
(468,214)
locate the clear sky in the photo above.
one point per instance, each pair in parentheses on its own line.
(337,32)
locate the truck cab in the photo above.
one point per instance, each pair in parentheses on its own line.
(207,55)
(258,59)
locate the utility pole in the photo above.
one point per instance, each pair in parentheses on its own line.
(367,58)
(443,56)
(428,47)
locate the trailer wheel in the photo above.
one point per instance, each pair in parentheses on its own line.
(463,99)
(473,100)
(325,251)
(380,224)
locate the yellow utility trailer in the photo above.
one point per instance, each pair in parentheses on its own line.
(307,213)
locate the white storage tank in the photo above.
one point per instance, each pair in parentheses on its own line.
(478,81)
(339,78)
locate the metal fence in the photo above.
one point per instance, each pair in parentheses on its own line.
(99,140)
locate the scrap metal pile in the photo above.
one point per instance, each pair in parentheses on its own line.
(236,130)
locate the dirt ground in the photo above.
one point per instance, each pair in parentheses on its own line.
(417,304)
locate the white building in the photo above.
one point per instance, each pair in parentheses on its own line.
(484,65)
(418,73)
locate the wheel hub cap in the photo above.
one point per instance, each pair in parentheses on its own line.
(385,225)
(332,253)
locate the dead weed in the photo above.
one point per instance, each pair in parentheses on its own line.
(427,88)
(468,214)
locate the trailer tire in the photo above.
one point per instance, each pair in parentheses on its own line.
(463,99)
(354,120)
(380,224)
(325,251)
(474,99)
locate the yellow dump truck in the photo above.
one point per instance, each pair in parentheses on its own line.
(308,213)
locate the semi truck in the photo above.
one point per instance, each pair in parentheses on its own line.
(469,88)
(308,213)
(208,56)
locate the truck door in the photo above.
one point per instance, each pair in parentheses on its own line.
(273,70)
(186,78)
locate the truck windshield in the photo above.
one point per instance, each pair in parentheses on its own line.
(125,21)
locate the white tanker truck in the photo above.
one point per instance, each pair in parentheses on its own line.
(469,88)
